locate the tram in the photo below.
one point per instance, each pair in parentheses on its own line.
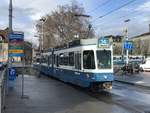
(85,62)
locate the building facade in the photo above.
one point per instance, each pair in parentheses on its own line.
(141,44)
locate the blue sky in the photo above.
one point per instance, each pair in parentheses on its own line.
(27,12)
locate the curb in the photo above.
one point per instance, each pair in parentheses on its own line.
(134,84)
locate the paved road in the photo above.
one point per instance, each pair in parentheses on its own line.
(47,95)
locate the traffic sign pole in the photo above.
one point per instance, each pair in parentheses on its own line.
(127,59)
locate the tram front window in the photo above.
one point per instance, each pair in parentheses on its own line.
(88,59)
(103,59)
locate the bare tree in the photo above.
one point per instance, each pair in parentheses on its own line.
(145,47)
(61,25)
(117,49)
(137,47)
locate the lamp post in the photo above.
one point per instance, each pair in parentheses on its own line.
(42,20)
(41,36)
(126,35)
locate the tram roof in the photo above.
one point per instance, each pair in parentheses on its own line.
(75,43)
(79,42)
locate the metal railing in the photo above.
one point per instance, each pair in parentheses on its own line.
(3,89)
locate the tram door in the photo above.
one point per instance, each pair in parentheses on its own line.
(77,67)
(78,60)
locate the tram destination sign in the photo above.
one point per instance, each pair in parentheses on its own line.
(103,42)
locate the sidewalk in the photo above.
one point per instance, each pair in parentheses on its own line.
(42,95)
(141,79)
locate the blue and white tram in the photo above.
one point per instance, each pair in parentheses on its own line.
(88,64)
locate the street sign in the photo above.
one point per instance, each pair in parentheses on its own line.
(16,47)
(128,45)
(12,74)
(16,41)
(18,35)
(16,51)
(16,54)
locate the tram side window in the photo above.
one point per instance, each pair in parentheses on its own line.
(54,59)
(71,58)
(88,59)
(61,57)
(43,60)
(57,61)
(78,61)
(66,61)
(50,59)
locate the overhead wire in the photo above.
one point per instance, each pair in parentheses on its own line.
(99,6)
(119,24)
(116,9)
(120,17)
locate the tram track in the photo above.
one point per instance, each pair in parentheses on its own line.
(121,96)
(113,100)
(124,96)
(116,97)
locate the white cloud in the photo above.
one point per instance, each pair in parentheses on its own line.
(26,12)
(41,7)
(144,7)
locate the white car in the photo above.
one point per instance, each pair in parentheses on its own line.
(146,65)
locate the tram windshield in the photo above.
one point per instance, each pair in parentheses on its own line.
(103,59)
(88,59)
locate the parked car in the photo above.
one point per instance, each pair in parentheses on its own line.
(146,65)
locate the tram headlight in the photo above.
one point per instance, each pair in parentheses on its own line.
(87,75)
(105,77)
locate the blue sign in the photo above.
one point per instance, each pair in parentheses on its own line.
(12,74)
(19,36)
(16,54)
(103,41)
(128,45)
